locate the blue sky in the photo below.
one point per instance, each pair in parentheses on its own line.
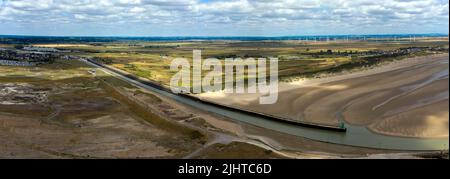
(221,18)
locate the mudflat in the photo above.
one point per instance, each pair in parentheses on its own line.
(407,98)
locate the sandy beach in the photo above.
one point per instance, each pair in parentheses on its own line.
(407,98)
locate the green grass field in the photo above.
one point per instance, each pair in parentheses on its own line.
(152,60)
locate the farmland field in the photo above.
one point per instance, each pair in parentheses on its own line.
(297,59)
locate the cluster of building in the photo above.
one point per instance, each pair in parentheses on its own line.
(396,52)
(13,58)
(16,63)
(409,50)
(43,49)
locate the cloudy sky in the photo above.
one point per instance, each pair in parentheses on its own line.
(222,17)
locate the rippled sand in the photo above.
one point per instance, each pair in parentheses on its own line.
(408,98)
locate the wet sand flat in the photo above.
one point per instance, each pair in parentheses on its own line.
(407,98)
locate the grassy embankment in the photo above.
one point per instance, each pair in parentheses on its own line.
(73,78)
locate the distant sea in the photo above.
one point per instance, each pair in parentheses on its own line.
(22,38)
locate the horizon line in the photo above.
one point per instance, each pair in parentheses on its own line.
(225,36)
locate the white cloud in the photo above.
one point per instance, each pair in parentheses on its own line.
(227,12)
